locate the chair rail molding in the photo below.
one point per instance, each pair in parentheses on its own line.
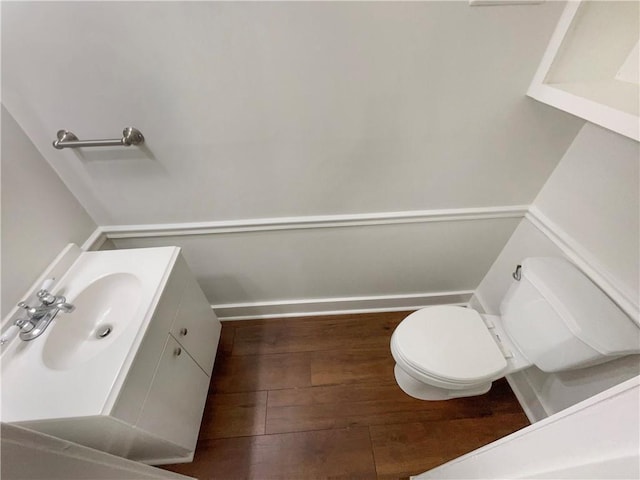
(323,305)
(587,262)
(315,221)
(567,244)
(95,240)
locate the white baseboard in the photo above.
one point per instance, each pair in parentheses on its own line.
(338,306)
(169,461)
(527,396)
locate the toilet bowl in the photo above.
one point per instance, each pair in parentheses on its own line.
(552,317)
(447,352)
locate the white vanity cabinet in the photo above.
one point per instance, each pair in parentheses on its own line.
(175,401)
(176,398)
(157,412)
(191,328)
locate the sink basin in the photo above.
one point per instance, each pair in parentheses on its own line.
(77,367)
(104,310)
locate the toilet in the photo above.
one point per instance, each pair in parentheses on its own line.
(552,317)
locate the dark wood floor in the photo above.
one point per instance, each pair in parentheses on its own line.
(316,398)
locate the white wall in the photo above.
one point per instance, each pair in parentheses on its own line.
(294,109)
(273,109)
(597,438)
(39,214)
(589,210)
(594,197)
(243,272)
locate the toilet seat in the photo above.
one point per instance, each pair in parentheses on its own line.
(448,347)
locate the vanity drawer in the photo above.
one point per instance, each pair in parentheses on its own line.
(196,326)
(174,405)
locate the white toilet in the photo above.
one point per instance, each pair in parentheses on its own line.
(552,317)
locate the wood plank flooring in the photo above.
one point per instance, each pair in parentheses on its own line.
(315,397)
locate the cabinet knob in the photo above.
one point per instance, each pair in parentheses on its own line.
(183,332)
(177,352)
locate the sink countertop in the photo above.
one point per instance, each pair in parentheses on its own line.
(36,387)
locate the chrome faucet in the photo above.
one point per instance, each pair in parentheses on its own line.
(39,318)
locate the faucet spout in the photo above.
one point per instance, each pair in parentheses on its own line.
(42,315)
(65,307)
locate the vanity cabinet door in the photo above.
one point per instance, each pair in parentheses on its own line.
(196,326)
(174,405)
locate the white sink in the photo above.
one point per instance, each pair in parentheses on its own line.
(104,311)
(71,370)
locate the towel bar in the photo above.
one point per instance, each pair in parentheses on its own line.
(67,139)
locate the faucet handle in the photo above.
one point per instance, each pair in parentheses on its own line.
(9,334)
(31,311)
(44,294)
(24,324)
(46,297)
(20,325)
(47,284)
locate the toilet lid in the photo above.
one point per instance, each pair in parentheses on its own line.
(450,343)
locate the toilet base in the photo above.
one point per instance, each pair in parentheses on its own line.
(422,391)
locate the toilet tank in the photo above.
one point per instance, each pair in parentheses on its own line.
(560,320)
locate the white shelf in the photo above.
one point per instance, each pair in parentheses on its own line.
(590,67)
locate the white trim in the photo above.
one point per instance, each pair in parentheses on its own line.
(587,262)
(95,240)
(608,117)
(527,397)
(554,45)
(338,305)
(499,3)
(319,221)
(477,302)
(169,461)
